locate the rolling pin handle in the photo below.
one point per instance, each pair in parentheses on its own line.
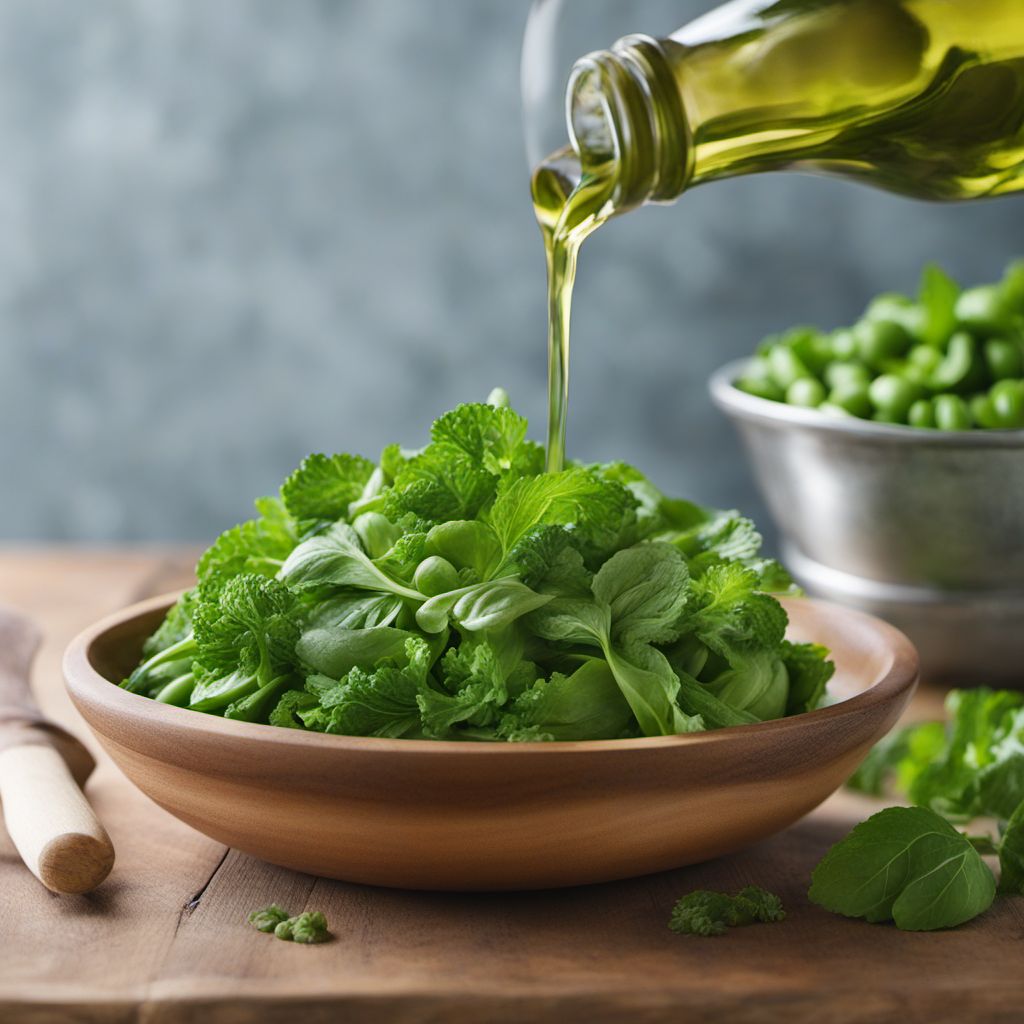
(50,821)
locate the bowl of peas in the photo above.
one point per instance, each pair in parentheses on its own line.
(891,456)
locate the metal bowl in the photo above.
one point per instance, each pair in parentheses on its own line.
(923,528)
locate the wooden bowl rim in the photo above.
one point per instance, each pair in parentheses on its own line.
(84,681)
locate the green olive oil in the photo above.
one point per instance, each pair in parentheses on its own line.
(920,97)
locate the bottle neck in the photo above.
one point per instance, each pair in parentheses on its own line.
(623,105)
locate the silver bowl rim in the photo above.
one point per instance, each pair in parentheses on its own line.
(738,403)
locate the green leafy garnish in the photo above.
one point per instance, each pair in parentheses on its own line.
(459,592)
(972,767)
(708,913)
(907,865)
(307,928)
(267,918)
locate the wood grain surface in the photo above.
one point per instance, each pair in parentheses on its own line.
(165,940)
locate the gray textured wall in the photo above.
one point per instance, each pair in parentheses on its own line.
(232,232)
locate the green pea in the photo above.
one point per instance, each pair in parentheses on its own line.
(758,368)
(840,374)
(963,367)
(927,357)
(811,347)
(833,410)
(892,397)
(910,371)
(786,366)
(844,343)
(984,310)
(922,413)
(852,398)
(899,309)
(1004,359)
(952,413)
(807,392)
(435,575)
(880,340)
(761,388)
(982,413)
(1007,398)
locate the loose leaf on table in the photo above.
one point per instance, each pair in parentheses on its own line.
(1011,854)
(709,913)
(896,760)
(306,928)
(908,865)
(952,782)
(267,918)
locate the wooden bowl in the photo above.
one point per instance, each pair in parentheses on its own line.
(468,816)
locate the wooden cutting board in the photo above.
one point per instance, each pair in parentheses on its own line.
(165,938)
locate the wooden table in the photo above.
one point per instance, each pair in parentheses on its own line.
(165,938)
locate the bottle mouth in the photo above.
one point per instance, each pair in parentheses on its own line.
(623,106)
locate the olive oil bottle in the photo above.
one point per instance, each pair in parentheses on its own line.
(921,97)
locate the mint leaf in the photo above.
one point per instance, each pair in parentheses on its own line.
(908,865)
(949,783)
(897,758)
(1011,854)
(324,486)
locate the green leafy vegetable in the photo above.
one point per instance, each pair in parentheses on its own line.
(1011,854)
(307,928)
(459,592)
(709,913)
(324,486)
(267,918)
(908,865)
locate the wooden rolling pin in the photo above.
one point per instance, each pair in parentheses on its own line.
(42,772)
